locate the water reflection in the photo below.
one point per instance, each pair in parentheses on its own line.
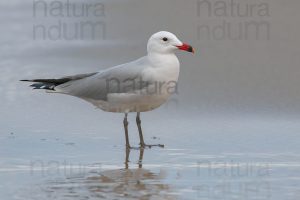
(124,183)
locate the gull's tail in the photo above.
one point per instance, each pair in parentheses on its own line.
(46,84)
(50,84)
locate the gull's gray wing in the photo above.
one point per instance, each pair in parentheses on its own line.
(126,78)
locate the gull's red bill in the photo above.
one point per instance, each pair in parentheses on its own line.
(186,47)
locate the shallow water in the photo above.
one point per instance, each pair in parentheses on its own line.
(221,159)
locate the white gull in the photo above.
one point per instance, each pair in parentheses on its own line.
(138,86)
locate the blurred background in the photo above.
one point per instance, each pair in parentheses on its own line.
(238,94)
(246,60)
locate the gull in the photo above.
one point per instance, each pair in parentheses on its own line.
(138,86)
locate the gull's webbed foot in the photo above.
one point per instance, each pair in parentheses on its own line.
(143,145)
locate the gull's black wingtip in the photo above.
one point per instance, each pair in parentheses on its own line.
(24,80)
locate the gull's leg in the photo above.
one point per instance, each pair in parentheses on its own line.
(142,143)
(125,122)
(138,122)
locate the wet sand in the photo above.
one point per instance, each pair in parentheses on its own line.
(219,160)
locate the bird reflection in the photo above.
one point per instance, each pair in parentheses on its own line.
(125,183)
(140,161)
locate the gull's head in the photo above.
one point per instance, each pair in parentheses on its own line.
(165,42)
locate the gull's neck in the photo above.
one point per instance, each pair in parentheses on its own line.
(162,59)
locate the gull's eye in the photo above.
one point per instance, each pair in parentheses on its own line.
(165,39)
